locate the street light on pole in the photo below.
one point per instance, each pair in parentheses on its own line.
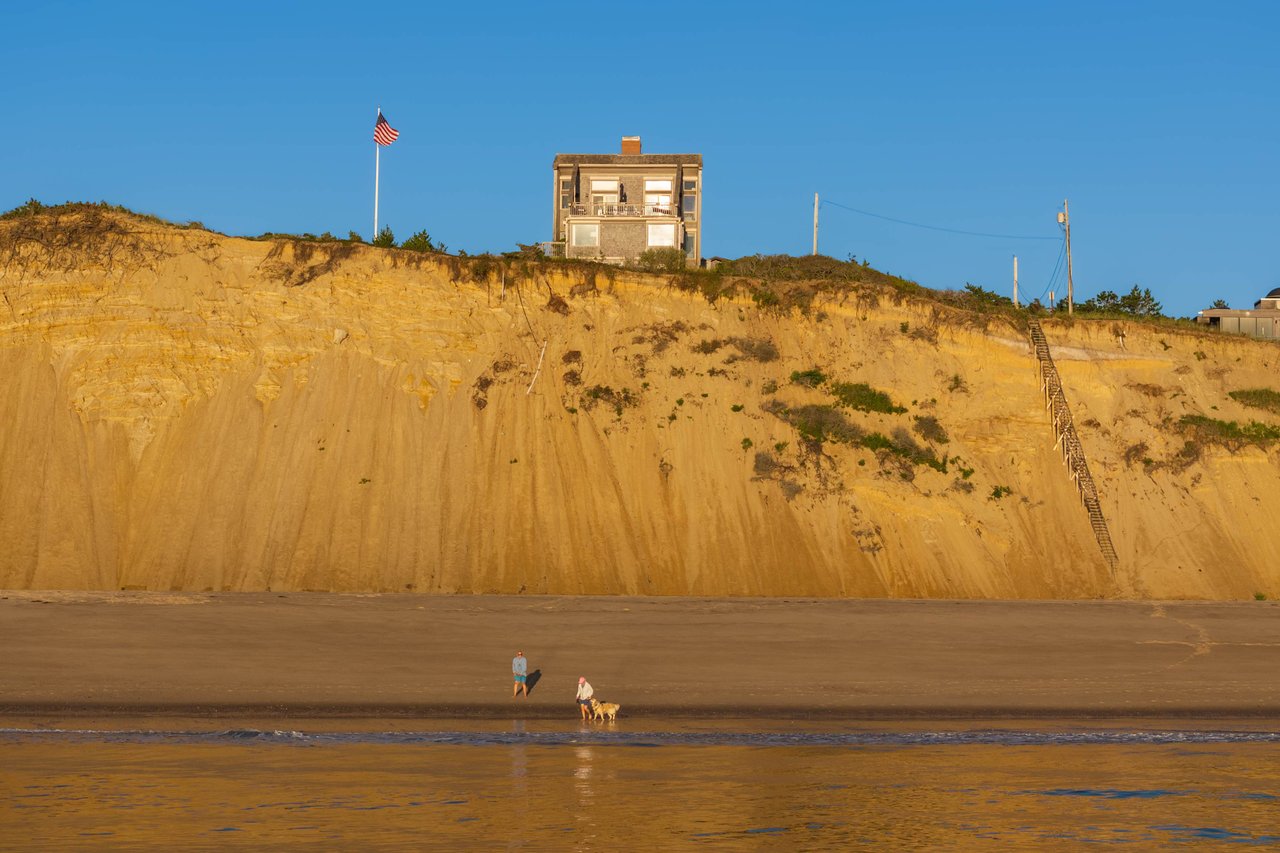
(1064,219)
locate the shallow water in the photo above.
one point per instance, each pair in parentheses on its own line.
(544,786)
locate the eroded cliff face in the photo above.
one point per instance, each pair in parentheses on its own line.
(190,411)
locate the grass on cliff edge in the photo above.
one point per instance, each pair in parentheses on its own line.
(35,208)
(778,283)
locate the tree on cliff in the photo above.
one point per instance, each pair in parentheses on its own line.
(422,242)
(1138,302)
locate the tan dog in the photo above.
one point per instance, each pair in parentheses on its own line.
(600,710)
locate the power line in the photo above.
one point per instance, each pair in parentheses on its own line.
(933,227)
(1057,268)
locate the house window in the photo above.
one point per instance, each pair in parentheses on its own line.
(690,186)
(604,185)
(690,242)
(564,201)
(586,234)
(657,199)
(662,235)
(657,185)
(566,185)
(689,204)
(604,204)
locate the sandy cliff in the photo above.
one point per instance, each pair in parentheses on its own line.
(190,411)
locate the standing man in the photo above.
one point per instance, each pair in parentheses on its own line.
(520,671)
(585,692)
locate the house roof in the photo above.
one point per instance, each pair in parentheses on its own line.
(1274,294)
(1239,312)
(628,160)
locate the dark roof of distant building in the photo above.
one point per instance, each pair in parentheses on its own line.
(1274,294)
(628,159)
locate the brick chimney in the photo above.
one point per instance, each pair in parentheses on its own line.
(630,145)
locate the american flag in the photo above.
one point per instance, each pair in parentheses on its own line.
(383,133)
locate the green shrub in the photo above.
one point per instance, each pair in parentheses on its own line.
(808,378)
(526,252)
(1258,398)
(1229,433)
(662,260)
(979,298)
(386,239)
(793,268)
(421,242)
(1138,302)
(819,424)
(864,398)
(764,297)
(618,400)
(31,208)
(903,446)
(999,492)
(782,282)
(877,441)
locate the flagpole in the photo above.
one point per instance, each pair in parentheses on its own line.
(377,165)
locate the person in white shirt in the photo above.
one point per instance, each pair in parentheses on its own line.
(585,692)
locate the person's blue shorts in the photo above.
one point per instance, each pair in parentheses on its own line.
(520,679)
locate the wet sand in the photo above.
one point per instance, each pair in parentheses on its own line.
(272,656)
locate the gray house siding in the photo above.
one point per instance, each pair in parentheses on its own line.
(624,225)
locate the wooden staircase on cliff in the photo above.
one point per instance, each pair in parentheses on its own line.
(1064,430)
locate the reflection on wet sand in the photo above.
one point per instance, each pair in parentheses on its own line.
(584,814)
(56,793)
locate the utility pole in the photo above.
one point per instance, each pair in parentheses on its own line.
(1015,282)
(1064,219)
(815,223)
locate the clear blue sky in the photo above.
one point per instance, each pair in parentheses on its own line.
(1159,121)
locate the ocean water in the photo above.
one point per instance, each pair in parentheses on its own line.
(639,785)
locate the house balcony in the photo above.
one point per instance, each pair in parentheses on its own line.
(622,209)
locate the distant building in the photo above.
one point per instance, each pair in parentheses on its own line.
(614,207)
(1261,322)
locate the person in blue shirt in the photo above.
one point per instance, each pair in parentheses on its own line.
(520,671)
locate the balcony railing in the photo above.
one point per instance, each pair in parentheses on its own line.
(622,209)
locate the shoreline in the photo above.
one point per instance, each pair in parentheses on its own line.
(365,658)
(361,717)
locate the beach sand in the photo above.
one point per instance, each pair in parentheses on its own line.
(274,656)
